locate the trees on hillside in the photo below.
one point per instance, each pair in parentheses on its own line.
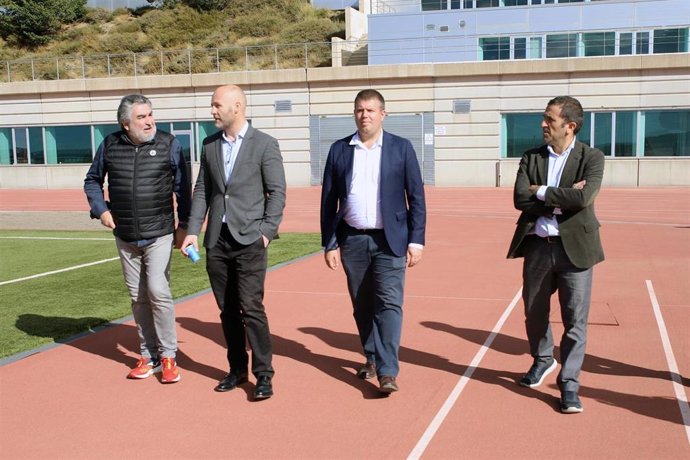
(33,23)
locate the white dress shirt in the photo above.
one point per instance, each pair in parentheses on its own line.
(548,225)
(363,210)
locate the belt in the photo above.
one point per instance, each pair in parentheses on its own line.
(547,239)
(363,231)
(551,239)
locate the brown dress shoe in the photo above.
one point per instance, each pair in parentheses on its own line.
(367,371)
(387,384)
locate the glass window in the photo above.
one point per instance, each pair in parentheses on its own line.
(642,46)
(21,147)
(626,43)
(523,132)
(36,146)
(488,3)
(514,2)
(6,156)
(603,126)
(520,48)
(561,45)
(433,5)
(205,129)
(671,41)
(494,48)
(100,132)
(599,43)
(72,144)
(667,133)
(626,134)
(468,4)
(585,133)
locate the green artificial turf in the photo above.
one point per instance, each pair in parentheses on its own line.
(56,306)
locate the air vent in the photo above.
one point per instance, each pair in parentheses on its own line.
(431,27)
(461,106)
(283,106)
(443,28)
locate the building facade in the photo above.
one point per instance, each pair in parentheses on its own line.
(469,120)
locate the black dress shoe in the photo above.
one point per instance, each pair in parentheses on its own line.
(231,381)
(264,388)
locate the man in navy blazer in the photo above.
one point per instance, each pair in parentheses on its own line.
(373,218)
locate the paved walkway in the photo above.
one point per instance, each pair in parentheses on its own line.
(463,349)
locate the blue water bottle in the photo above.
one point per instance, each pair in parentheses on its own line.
(192,253)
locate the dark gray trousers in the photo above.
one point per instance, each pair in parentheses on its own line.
(548,269)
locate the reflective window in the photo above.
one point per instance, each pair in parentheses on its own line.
(488,3)
(21,146)
(6,147)
(69,144)
(561,45)
(100,132)
(667,133)
(36,146)
(599,43)
(626,134)
(671,41)
(603,125)
(434,5)
(523,133)
(626,43)
(494,48)
(642,45)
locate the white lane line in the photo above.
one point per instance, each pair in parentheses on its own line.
(53,238)
(671,360)
(57,271)
(455,394)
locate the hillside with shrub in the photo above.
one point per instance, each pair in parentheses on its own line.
(53,28)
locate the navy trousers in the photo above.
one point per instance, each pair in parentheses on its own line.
(375,279)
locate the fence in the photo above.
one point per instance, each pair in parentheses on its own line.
(175,62)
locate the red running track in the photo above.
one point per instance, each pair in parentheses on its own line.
(73,401)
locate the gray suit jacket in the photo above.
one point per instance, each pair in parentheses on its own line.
(578,225)
(253,200)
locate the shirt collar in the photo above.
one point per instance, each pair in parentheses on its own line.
(565,152)
(357,141)
(240,135)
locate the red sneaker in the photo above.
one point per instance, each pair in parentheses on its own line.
(145,368)
(171,373)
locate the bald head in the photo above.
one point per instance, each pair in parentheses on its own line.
(228,108)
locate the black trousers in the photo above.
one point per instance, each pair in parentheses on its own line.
(237,274)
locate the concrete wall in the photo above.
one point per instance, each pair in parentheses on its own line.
(467,146)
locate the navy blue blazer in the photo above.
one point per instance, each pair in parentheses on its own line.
(403,205)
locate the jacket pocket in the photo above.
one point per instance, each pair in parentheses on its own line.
(592,227)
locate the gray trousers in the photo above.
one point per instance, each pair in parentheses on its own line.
(147,275)
(548,269)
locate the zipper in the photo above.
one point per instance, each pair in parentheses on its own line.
(134,194)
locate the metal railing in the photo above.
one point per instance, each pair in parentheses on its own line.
(173,62)
(339,53)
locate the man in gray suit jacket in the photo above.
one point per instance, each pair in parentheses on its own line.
(558,235)
(241,184)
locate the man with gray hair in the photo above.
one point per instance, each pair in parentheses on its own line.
(144,167)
